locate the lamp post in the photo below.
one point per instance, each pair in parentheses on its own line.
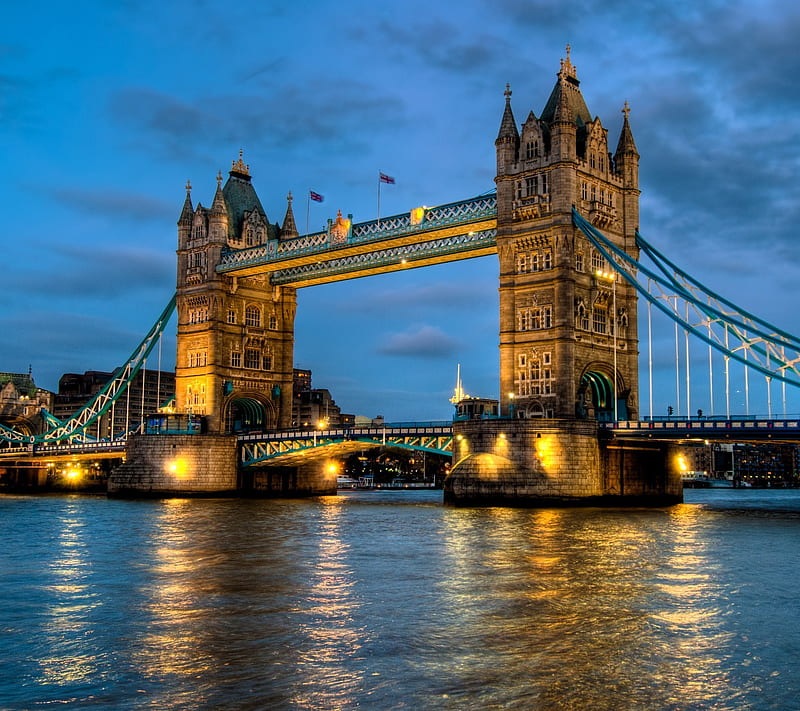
(612,277)
(511,405)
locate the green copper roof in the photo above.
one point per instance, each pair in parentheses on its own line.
(569,86)
(240,197)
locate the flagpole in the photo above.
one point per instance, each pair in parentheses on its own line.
(379,199)
(308,207)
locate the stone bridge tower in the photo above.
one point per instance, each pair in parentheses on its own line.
(568,334)
(235,335)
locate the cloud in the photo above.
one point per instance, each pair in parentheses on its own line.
(419,342)
(338,116)
(116,203)
(87,271)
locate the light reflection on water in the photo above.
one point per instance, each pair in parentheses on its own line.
(387,600)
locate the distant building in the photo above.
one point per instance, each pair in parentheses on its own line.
(315,408)
(21,403)
(149,391)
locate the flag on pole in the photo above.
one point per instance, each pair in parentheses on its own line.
(316,197)
(388,179)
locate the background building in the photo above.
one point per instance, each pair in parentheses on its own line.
(149,391)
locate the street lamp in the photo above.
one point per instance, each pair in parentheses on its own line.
(612,277)
(511,405)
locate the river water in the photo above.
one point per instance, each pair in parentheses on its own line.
(388,600)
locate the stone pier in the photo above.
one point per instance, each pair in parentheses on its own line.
(177,465)
(552,462)
(184,465)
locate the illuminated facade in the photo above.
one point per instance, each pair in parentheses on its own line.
(568,336)
(235,334)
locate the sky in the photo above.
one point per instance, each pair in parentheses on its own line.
(108,108)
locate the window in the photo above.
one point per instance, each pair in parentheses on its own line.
(594,193)
(534,319)
(599,320)
(231,316)
(532,149)
(252,358)
(252,316)
(579,261)
(591,160)
(532,185)
(584,191)
(598,263)
(236,359)
(273,322)
(266,362)
(522,263)
(531,377)
(544,184)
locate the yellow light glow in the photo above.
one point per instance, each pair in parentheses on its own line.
(682,463)
(179,468)
(333,468)
(73,474)
(322,424)
(417,215)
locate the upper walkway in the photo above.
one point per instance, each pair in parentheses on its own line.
(418,238)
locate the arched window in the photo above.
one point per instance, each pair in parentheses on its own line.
(252,316)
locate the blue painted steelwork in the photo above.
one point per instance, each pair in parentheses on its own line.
(462,213)
(269,447)
(75,426)
(712,430)
(724,326)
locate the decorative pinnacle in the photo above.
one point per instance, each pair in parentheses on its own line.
(626,110)
(239,166)
(568,69)
(289,196)
(507,92)
(188,187)
(219,178)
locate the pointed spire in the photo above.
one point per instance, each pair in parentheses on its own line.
(626,144)
(508,126)
(289,228)
(187,213)
(218,207)
(566,101)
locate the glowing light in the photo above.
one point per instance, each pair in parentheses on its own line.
(417,215)
(73,474)
(333,468)
(179,468)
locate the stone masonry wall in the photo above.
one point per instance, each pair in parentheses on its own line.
(177,465)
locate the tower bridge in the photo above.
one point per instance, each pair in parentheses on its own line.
(564,224)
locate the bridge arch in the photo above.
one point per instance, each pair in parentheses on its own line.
(596,393)
(245,411)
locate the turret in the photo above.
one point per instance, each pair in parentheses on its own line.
(218,216)
(289,228)
(626,163)
(507,142)
(507,145)
(185,220)
(626,159)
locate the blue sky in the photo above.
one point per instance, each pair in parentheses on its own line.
(106,109)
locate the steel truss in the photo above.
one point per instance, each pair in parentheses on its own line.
(75,426)
(272,448)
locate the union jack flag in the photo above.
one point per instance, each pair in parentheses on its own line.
(386,178)
(316,197)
